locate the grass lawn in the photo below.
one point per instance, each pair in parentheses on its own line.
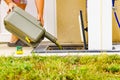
(102,67)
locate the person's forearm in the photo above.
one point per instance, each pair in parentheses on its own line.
(40,7)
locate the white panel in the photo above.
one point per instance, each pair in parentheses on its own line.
(100,24)
(80,26)
(94,24)
(3,12)
(107,25)
(31,8)
(4,34)
(50,16)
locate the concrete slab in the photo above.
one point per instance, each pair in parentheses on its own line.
(11,51)
(8,51)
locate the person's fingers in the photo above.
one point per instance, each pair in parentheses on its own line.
(11,6)
(9,10)
(41,20)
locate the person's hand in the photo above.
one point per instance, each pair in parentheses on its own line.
(11,6)
(40,18)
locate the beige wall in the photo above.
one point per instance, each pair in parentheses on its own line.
(67,21)
(116,29)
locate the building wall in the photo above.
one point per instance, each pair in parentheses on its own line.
(68,30)
(67,20)
(116,29)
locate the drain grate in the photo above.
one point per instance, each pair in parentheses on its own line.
(55,49)
(65,47)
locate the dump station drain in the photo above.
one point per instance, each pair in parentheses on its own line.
(56,49)
(65,47)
